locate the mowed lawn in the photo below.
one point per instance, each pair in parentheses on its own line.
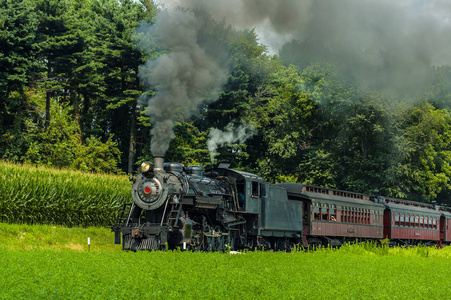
(68,269)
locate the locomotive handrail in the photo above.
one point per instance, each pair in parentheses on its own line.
(164,212)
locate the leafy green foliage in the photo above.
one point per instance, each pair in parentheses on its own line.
(61,145)
(96,156)
(58,144)
(425,170)
(18,25)
(82,54)
(189,146)
(283,116)
(13,142)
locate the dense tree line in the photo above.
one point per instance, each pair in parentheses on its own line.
(69,91)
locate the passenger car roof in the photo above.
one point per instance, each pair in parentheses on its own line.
(344,201)
(331,195)
(413,209)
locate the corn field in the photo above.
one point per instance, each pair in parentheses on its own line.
(40,195)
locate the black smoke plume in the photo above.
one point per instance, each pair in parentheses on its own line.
(185,76)
(385,44)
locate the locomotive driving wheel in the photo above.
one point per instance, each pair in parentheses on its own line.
(197,240)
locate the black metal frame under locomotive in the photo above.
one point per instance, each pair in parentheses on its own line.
(176,206)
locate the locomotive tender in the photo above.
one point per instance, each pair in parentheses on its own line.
(176,206)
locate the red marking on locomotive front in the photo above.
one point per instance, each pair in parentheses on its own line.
(147,190)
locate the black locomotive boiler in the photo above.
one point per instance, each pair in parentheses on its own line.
(176,206)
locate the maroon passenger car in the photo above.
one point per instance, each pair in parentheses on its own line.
(332,217)
(409,223)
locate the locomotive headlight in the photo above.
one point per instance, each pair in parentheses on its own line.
(145,167)
(147,189)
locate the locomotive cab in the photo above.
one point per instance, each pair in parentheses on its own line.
(271,218)
(246,188)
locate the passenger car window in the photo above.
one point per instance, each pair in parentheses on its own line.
(316,211)
(325,212)
(333,214)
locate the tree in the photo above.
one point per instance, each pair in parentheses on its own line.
(189,145)
(363,143)
(56,46)
(424,171)
(117,111)
(60,145)
(18,25)
(284,117)
(16,138)
(352,134)
(245,56)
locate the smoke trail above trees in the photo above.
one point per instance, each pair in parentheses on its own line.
(386,45)
(379,44)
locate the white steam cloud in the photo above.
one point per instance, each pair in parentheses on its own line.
(231,135)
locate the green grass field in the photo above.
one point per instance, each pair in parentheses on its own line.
(52,262)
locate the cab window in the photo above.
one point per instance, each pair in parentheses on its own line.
(255,189)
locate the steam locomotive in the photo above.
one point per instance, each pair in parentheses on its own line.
(184,207)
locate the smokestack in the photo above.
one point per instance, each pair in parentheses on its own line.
(158,163)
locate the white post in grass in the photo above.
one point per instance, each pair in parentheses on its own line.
(89,244)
